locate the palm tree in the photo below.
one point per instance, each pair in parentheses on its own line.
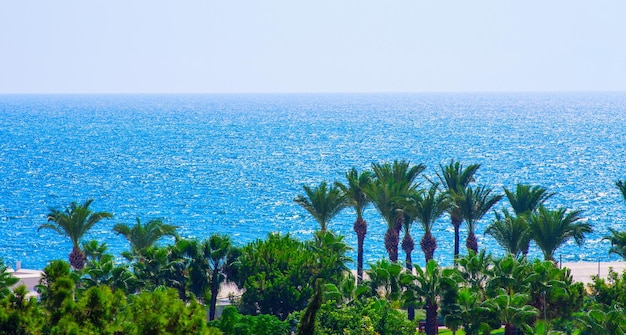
(94,250)
(551,228)
(322,202)
(398,183)
(143,236)
(603,322)
(508,294)
(162,267)
(618,242)
(427,208)
(221,254)
(408,244)
(474,269)
(474,203)
(6,280)
(392,183)
(526,199)
(356,198)
(430,286)
(618,238)
(456,179)
(385,279)
(74,222)
(330,250)
(472,313)
(511,232)
(383,196)
(513,311)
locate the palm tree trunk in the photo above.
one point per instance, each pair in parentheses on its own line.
(392,239)
(306,326)
(471,242)
(457,227)
(77,258)
(391,244)
(398,226)
(215,287)
(432,325)
(408,245)
(360,228)
(429,245)
(509,329)
(525,249)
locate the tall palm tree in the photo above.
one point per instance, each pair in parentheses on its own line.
(142,236)
(221,255)
(354,192)
(392,182)
(551,228)
(474,204)
(74,222)
(408,244)
(383,197)
(322,202)
(511,232)
(456,179)
(427,208)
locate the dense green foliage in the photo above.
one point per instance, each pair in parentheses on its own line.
(286,284)
(276,275)
(6,280)
(233,322)
(65,309)
(370,316)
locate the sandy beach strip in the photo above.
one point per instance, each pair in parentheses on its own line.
(581,272)
(584,271)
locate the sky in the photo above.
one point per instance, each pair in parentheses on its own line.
(284,46)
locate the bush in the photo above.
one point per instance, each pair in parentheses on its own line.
(232,322)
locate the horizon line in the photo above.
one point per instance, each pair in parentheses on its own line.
(318,92)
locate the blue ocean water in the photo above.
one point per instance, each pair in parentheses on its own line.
(233,163)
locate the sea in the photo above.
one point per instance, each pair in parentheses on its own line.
(233,163)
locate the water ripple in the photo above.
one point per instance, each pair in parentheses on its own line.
(233,163)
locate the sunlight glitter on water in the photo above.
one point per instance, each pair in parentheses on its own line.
(205,162)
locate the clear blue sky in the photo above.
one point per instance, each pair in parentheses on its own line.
(197,46)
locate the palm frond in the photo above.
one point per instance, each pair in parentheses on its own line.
(322,202)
